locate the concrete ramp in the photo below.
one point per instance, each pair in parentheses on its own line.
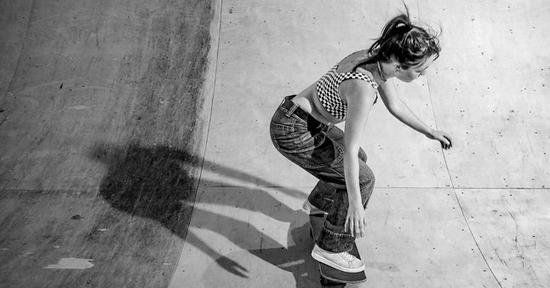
(135,150)
(101,124)
(473,216)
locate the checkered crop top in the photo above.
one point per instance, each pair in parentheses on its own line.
(327,90)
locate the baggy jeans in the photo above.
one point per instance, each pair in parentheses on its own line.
(319,149)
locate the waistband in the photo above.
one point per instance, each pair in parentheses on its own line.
(292,108)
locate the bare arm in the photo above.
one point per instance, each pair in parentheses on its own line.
(401,111)
(359,98)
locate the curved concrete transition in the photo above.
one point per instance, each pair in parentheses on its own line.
(102,111)
(135,150)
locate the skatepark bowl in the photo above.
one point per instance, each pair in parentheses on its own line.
(135,149)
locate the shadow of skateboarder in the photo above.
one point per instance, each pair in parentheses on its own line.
(158,183)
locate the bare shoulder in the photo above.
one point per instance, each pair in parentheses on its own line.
(357,91)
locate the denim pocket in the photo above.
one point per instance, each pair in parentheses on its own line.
(302,142)
(295,142)
(308,151)
(281,129)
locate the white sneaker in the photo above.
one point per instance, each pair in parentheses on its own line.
(342,261)
(312,209)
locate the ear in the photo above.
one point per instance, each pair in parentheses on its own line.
(395,63)
(398,68)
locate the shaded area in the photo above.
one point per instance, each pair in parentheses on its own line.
(41,228)
(156,183)
(134,229)
(128,246)
(297,257)
(74,73)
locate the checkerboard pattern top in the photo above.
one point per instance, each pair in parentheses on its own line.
(327,90)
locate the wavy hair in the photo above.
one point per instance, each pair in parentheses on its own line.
(410,44)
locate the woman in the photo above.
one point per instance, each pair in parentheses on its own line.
(303,130)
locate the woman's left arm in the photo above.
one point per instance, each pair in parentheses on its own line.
(401,111)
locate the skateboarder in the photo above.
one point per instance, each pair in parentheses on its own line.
(303,130)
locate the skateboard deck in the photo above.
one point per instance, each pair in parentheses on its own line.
(333,277)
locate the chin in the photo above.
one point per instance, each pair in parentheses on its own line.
(406,79)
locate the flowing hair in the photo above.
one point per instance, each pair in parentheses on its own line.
(410,44)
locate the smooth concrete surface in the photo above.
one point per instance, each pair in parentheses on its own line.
(101,122)
(460,218)
(490,89)
(114,112)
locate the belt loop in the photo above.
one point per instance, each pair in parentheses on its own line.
(291,110)
(328,126)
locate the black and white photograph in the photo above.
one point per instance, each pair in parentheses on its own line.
(274,143)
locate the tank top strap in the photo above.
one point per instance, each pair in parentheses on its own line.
(364,77)
(361,76)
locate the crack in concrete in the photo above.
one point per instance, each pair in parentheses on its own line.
(453,187)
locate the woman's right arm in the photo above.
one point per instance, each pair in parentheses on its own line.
(359,98)
(401,111)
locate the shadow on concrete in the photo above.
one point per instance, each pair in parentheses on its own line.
(296,258)
(157,183)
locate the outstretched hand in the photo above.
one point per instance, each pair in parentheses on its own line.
(442,137)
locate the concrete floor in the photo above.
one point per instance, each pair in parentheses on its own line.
(114,113)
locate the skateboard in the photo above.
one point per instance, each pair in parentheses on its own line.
(332,277)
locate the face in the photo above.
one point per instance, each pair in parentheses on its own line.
(413,72)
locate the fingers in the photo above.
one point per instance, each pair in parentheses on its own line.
(446,142)
(356,225)
(359,227)
(449,139)
(362,227)
(364,232)
(346,224)
(443,138)
(351,227)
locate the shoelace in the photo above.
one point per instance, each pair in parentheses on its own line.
(348,257)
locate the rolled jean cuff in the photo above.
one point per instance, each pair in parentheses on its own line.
(334,239)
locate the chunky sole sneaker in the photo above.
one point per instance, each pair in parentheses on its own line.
(342,261)
(312,209)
